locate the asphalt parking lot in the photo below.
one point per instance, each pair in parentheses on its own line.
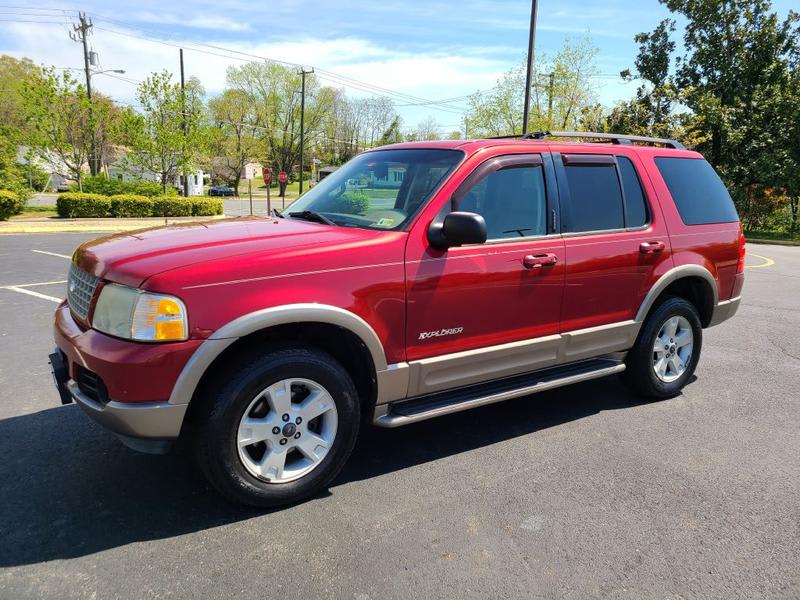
(580,492)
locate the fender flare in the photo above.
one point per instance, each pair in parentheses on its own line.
(226,335)
(672,276)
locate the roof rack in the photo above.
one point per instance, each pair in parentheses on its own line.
(614,138)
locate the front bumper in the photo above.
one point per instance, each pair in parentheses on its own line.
(144,426)
(136,381)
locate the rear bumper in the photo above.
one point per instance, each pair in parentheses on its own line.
(724,310)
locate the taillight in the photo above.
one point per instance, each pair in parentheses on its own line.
(742,253)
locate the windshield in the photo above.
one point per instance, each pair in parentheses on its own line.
(382,189)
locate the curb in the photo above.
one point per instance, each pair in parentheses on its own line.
(773,242)
(46,225)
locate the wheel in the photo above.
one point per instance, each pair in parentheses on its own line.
(279,428)
(667,350)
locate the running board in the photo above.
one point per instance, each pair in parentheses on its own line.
(445,403)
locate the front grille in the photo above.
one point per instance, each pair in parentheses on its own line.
(91,384)
(80,289)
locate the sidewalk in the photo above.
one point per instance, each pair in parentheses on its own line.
(54,225)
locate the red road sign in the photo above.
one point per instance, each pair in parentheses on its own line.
(283,177)
(267,173)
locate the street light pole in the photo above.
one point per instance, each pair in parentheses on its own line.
(303,73)
(529,75)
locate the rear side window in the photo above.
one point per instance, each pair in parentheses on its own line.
(595,197)
(635,207)
(698,192)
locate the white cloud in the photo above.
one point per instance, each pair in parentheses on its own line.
(200,21)
(429,71)
(427,75)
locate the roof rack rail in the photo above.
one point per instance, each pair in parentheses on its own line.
(614,138)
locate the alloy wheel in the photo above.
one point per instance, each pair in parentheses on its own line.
(287,430)
(672,349)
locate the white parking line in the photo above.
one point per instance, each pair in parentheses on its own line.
(14,288)
(52,254)
(24,285)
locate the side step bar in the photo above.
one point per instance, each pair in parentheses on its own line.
(445,403)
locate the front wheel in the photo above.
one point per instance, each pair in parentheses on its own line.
(279,428)
(667,351)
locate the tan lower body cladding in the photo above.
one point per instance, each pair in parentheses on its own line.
(450,371)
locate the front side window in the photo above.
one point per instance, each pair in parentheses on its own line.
(382,189)
(595,197)
(511,201)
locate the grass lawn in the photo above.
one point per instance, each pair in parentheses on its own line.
(35,212)
(773,235)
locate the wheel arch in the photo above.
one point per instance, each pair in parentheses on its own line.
(344,335)
(694,283)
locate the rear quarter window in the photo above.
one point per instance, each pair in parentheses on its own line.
(698,192)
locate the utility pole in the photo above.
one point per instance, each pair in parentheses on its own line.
(550,89)
(183,128)
(529,75)
(79,33)
(303,73)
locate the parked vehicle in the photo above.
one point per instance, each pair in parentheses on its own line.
(221,190)
(463,273)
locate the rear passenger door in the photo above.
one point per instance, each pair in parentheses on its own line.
(616,242)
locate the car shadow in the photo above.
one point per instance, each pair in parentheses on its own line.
(71,489)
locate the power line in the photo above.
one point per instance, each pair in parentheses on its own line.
(323,74)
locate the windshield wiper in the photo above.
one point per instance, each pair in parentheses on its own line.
(310,215)
(277,213)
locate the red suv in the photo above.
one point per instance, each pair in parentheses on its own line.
(415,281)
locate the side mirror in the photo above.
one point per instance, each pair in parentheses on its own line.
(457,229)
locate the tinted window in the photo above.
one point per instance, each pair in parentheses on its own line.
(595,198)
(635,208)
(381,189)
(511,200)
(697,190)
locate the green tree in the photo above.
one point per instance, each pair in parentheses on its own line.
(63,123)
(732,75)
(560,92)
(275,92)
(237,133)
(393,133)
(14,75)
(165,136)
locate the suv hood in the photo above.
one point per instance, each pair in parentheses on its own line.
(132,257)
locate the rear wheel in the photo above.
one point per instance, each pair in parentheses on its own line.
(667,350)
(279,428)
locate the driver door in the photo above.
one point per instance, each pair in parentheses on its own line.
(484,311)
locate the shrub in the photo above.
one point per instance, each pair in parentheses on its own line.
(76,204)
(10,204)
(168,206)
(131,205)
(205,207)
(353,203)
(105,186)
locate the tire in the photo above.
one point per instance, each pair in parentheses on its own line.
(243,473)
(643,359)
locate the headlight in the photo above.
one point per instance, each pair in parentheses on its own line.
(136,315)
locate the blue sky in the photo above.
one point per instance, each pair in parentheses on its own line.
(429,50)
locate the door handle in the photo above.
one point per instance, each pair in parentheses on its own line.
(537,261)
(652,247)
